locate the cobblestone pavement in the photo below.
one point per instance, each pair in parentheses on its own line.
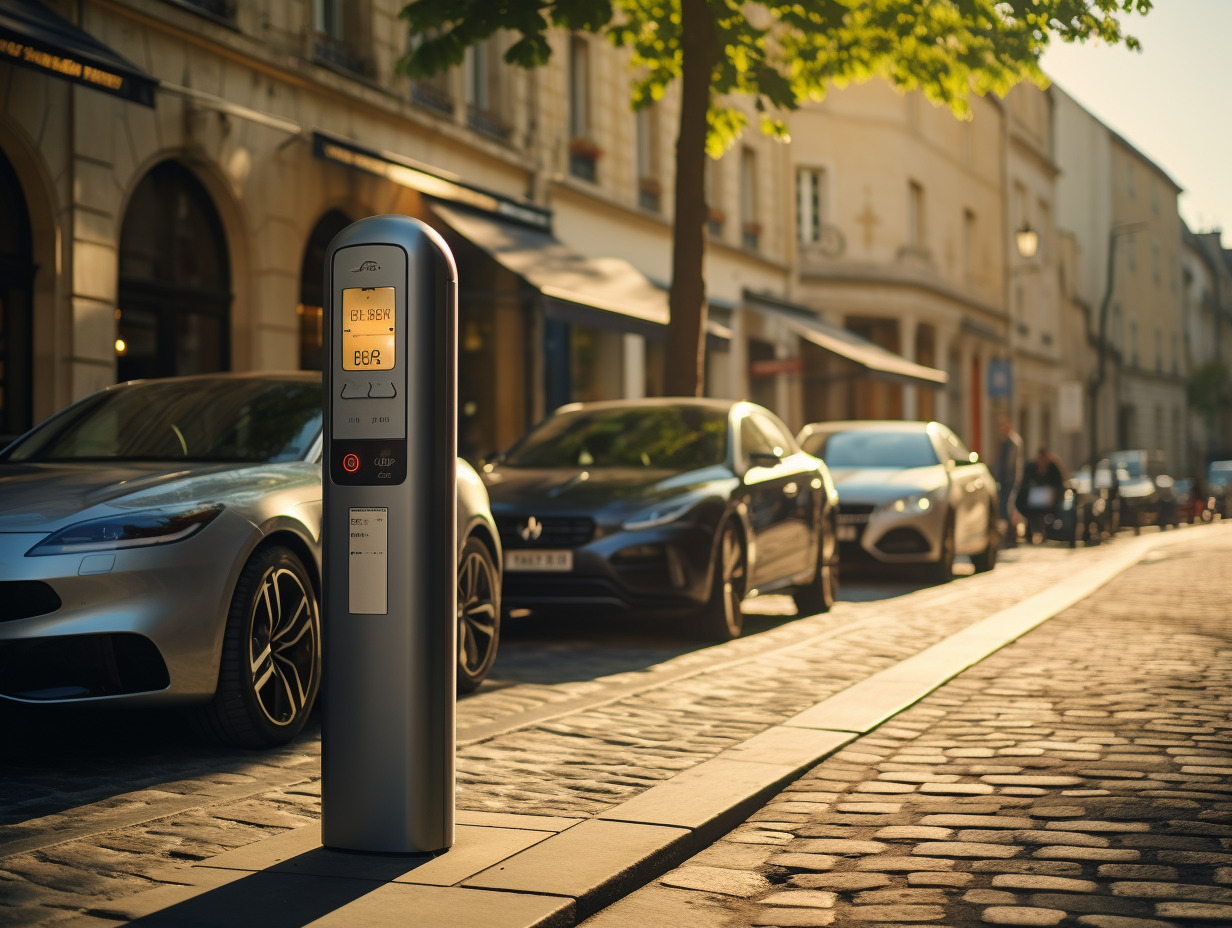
(1080,776)
(574,742)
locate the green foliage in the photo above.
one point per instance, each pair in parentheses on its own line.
(1209,388)
(781,54)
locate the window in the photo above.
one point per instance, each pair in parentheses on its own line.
(342,35)
(915,217)
(809,219)
(749,224)
(1175,355)
(1131,252)
(649,187)
(435,92)
(583,153)
(481,70)
(1155,273)
(969,239)
(1159,349)
(1133,341)
(714,198)
(1129,178)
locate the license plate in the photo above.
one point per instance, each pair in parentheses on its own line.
(848,532)
(539,560)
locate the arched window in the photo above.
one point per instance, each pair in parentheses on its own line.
(312,288)
(174,310)
(16,319)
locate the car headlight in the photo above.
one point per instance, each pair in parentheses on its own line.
(662,513)
(918,502)
(126,530)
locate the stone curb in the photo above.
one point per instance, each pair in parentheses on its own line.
(528,871)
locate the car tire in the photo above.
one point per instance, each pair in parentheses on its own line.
(720,619)
(986,560)
(820,595)
(479,614)
(270,669)
(942,570)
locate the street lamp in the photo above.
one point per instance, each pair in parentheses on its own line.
(1027,240)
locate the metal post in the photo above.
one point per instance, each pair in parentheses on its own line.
(389,546)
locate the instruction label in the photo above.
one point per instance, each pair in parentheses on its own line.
(368,576)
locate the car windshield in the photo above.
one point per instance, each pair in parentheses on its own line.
(1220,476)
(225,420)
(868,448)
(668,437)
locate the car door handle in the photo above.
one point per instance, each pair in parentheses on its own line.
(791,489)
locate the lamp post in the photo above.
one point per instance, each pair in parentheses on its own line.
(1027,240)
(1101,343)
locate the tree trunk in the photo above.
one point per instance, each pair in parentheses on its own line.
(685,361)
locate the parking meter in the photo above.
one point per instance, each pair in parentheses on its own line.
(389,624)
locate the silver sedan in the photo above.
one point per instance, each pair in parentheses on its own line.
(160,543)
(908,493)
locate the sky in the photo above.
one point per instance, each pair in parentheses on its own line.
(1172,100)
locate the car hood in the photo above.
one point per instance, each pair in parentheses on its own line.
(47,497)
(593,490)
(881,484)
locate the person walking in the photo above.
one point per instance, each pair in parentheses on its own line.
(1008,474)
(1043,485)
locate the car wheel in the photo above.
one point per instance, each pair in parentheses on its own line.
(721,619)
(821,594)
(271,655)
(478,614)
(942,570)
(986,560)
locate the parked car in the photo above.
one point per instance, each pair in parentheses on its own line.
(909,493)
(1219,485)
(1091,508)
(160,543)
(681,507)
(1140,495)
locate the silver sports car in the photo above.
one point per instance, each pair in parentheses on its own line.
(160,542)
(908,493)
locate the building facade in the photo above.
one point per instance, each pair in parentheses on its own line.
(868,269)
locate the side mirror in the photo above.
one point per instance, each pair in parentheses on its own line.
(764,459)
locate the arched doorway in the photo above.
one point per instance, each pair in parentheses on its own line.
(312,288)
(16,316)
(174,313)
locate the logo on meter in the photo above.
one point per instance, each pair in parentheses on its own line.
(350,463)
(366,266)
(532,530)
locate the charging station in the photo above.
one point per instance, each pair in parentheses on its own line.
(389,584)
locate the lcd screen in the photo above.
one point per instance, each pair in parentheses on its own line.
(368,329)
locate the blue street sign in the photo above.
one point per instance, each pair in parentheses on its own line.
(1000,378)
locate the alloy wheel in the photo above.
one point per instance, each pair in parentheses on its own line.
(732,573)
(282,648)
(477,613)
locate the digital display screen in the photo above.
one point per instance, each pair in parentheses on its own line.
(368,329)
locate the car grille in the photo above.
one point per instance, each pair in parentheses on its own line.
(555,531)
(854,513)
(24,599)
(903,541)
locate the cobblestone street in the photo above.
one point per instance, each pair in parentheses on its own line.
(1034,787)
(1080,776)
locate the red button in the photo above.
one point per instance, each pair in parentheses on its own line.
(350,463)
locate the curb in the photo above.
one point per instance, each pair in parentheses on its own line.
(528,871)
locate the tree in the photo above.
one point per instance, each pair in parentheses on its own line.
(779,53)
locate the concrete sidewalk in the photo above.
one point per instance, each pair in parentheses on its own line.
(540,868)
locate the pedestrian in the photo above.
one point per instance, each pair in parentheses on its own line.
(1008,474)
(1043,485)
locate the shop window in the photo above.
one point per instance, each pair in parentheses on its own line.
(310,312)
(16,317)
(175,280)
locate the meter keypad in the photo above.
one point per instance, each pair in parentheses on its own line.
(380,462)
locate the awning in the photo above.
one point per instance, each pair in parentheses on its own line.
(608,285)
(33,36)
(878,361)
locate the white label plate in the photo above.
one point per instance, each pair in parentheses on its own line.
(368,573)
(848,533)
(553,561)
